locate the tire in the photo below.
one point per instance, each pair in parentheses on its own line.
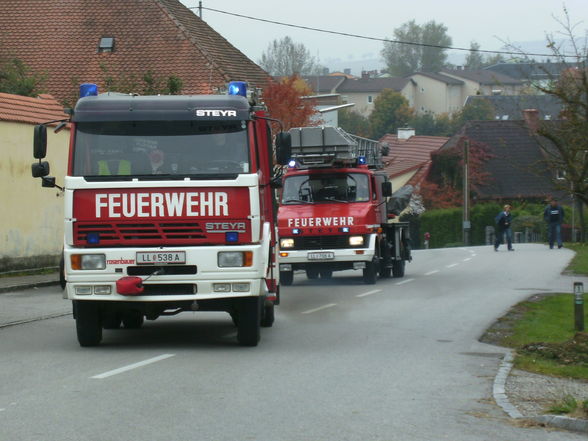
(132,319)
(235,318)
(326,274)
(248,323)
(398,268)
(370,274)
(268,317)
(385,272)
(62,281)
(286,278)
(312,273)
(111,321)
(88,323)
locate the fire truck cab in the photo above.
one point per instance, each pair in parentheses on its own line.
(168,208)
(333,212)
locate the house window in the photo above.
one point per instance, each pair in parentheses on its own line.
(560,175)
(370,99)
(106,44)
(422,90)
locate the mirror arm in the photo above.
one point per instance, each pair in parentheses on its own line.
(267,118)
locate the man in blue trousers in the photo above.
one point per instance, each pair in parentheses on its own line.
(553,215)
(503,222)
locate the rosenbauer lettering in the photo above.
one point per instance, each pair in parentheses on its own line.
(164,204)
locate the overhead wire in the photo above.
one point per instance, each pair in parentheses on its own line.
(385,40)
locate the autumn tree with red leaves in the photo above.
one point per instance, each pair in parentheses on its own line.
(443,187)
(285,103)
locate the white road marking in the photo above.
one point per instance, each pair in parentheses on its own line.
(328,305)
(404,281)
(132,366)
(431,272)
(452,265)
(467,259)
(369,293)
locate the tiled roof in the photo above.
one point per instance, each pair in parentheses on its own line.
(512,106)
(530,71)
(372,85)
(60,39)
(483,76)
(410,154)
(440,77)
(38,110)
(323,83)
(516,167)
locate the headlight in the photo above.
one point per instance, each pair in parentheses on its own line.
(355,241)
(286,243)
(88,261)
(235,258)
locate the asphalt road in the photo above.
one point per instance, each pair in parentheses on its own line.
(399,360)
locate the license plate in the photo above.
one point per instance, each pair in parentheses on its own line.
(161,257)
(324,255)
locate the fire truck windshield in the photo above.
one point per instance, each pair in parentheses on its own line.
(323,188)
(161,149)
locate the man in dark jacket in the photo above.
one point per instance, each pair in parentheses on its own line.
(553,215)
(503,222)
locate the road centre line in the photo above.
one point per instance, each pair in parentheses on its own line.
(328,305)
(132,366)
(467,259)
(431,272)
(452,265)
(369,293)
(404,281)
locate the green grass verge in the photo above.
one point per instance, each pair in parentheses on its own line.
(579,264)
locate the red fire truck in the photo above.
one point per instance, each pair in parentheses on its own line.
(168,208)
(335,211)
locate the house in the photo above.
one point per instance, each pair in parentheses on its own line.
(508,107)
(436,93)
(81,41)
(532,73)
(31,219)
(485,82)
(409,156)
(516,166)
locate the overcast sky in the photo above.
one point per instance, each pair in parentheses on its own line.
(486,22)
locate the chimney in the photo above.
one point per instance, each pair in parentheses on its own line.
(531,119)
(347,71)
(405,133)
(365,74)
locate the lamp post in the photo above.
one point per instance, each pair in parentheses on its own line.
(579,305)
(466,193)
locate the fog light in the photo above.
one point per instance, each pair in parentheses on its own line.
(83,290)
(241,287)
(102,290)
(221,287)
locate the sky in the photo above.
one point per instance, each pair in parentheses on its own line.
(489,23)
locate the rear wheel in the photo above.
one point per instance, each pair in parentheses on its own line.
(132,319)
(398,268)
(88,323)
(369,273)
(326,274)
(111,320)
(248,322)
(312,273)
(286,278)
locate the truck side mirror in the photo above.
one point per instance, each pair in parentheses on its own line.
(40,169)
(48,181)
(283,147)
(387,189)
(40,142)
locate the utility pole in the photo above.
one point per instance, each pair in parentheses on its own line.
(466,193)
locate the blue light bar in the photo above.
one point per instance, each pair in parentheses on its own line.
(292,163)
(231,236)
(93,238)
(238,88)
(295,231)
(344,229)
(88,89)
(362,160)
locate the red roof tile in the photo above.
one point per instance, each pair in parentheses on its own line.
(60,39)
(18,108)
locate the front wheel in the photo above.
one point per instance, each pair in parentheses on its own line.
(369,273)
(248,323)
(268,316)
(286,278)
(398,268)
(88,323)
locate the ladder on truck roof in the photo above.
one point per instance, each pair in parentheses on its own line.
(328,146)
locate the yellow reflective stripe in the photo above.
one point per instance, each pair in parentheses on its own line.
(103,168)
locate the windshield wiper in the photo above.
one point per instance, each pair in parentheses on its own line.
(297,200)
(333,200)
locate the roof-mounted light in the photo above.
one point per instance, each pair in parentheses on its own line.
(88,89)
(238,88)
(292,163)
(362,160)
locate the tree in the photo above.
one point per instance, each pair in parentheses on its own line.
(285,103)
(16,78)
(432,125)
(474,59)
(417,51)
(285,58)
(354,123)
(391,111)
(474,110)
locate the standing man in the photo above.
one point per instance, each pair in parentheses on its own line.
(554,215)
(503,222)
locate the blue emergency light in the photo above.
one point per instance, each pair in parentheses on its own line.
(362,160)
(238,88)
(88,89)
(93,238)
(295,230)
(231,237)
(292,163)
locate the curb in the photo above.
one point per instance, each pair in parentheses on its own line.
(27,285)
(499,393)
